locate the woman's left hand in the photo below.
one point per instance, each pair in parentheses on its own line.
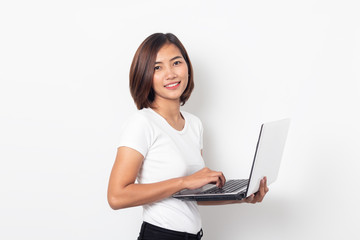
(258,196)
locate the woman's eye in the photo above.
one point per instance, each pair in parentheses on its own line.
(177,63)
(156,68)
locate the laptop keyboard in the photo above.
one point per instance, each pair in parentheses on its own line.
(229,187)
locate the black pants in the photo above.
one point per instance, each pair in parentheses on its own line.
(152,232)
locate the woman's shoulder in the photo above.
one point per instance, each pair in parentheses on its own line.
(190,115)
(192,118)
(141,114)
(140,119)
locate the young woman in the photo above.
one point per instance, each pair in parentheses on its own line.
(161,146)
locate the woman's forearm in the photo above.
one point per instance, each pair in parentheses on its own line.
(139,194)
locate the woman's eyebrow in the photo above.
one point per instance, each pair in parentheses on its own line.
(175,58)
(170,59)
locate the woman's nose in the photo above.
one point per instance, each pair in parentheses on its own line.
(170,73)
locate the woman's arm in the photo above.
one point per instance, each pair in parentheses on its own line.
(123,192)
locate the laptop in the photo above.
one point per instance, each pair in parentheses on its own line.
(268,154)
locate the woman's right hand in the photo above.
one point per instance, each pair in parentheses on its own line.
(203,177)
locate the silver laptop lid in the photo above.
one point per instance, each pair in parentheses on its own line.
(269,151)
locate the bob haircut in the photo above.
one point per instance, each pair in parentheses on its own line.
(142,69)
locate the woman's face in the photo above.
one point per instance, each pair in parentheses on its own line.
(170,75)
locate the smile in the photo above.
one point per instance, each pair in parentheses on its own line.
(172,85)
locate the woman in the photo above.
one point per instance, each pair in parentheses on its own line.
(161,146)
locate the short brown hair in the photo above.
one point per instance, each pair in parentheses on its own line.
(142,69)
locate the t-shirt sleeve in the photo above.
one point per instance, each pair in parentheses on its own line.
(136,134)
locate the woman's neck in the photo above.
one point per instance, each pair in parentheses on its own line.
(170,111)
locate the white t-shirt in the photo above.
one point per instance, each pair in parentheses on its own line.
(168,153)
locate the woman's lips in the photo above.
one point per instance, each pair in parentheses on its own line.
(172,86)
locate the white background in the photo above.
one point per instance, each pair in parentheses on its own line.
(64,92)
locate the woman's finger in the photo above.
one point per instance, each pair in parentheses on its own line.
(222,179)
(250,198)
(262,188)
(219,178)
